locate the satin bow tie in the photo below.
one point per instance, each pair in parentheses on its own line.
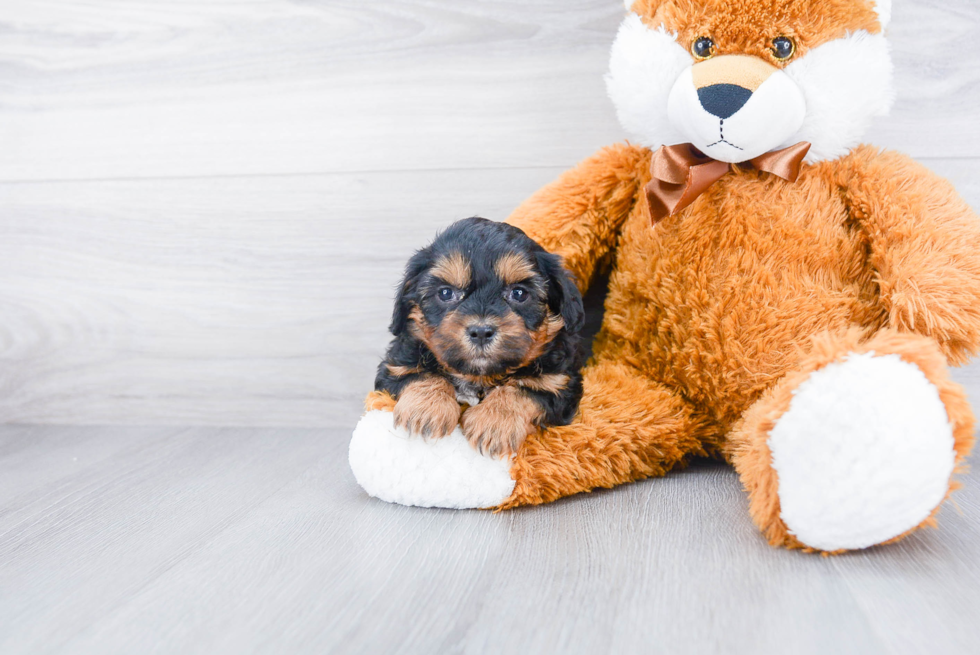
(681,173)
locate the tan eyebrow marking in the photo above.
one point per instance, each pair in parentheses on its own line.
(550,382)
(513,268)
(402,371)
(453,269)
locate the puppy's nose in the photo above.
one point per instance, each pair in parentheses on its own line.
(481,334)
(723,100)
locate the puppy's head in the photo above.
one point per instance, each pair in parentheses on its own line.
(486,299)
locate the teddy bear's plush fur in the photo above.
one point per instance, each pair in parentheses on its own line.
(801,330)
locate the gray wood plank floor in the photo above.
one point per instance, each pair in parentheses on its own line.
(208,540)
(203,210)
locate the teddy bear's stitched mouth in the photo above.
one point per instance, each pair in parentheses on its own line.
(718,143)
(721,134)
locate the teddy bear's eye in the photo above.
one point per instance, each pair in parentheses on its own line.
(783,47)
(703,47)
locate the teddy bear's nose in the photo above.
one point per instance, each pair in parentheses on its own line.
(723,100)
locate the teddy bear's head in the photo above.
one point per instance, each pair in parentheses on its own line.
(739,78)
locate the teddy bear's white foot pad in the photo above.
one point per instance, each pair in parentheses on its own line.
(399,468)
(863,454)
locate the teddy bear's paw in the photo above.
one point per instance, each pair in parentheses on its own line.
(397,467)
(863,454)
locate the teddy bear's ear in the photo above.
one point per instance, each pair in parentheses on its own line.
(629,4)
(647,7)
(884,9)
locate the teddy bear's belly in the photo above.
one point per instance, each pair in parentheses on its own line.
(717,307)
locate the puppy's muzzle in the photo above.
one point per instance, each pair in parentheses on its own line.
(481,335)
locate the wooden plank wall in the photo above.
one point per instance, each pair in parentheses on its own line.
(204,206)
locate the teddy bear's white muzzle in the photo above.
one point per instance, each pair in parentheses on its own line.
(734,112)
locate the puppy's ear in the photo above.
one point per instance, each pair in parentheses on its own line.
(563,296)
(406,297)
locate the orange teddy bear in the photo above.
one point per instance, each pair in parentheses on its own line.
(779,295)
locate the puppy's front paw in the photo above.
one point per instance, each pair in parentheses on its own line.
(428,407)
(499,424)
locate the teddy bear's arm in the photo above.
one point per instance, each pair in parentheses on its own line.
(925,247)
(578,216)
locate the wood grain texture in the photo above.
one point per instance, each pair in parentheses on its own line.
(136,88)
(206,540)
(223,301)
(204,207)
(229,301)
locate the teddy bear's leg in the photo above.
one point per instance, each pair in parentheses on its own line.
(627,428)
(856,446)
(398,467)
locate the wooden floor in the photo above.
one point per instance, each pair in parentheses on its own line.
(211,540)
(204,208)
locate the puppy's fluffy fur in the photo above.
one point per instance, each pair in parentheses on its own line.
(486,318)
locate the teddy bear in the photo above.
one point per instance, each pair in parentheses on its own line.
(779,295)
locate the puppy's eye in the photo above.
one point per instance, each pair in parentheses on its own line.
(519,294)
(447,294)
(703,47)
(783,47)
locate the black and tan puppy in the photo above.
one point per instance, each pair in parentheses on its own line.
(487,318)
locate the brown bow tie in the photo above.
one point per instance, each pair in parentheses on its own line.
(681,173)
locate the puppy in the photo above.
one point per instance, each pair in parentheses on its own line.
(487,318)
